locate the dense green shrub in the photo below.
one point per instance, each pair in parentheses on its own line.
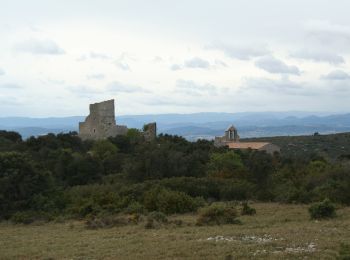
(226,165)
(217,214)
(247,210)
(321,210)
(20,180)
(169,202)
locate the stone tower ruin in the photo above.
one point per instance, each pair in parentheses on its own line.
(150,131)
(100,123)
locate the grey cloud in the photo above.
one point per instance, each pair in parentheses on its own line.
(220,63)
(273,65)
(167,101)
(191,88)
(336,75)
(2,72)
(96,55)
(281,86)
(157,59)
(241,52)
(119,87)
(39,47)
(319,56)
(10,86)
(197,62)
(175,67)
(329,34)
(84,90)
(54,81)
(122,65)
(96,76)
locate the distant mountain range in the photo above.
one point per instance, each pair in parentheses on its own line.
(198,125)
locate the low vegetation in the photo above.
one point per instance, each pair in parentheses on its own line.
(322,210)
(218,214)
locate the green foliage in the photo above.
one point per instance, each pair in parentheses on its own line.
(61,175)
(217,214)
(247,210)
(20,180)
(322,210)
(103,149)
(225,165)
(13,137)
(169,202)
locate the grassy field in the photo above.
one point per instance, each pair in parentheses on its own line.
(275,232)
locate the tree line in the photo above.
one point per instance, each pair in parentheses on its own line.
(61,175)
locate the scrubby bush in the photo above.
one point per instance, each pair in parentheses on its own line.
(217,214)
(247,210)
(135,208)
(158,216)
(155,219)
(170,202)
(28,217)
(106,222)
(322,210)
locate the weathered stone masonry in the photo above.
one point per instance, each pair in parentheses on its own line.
(100,123)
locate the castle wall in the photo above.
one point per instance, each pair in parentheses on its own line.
(150,131)
(100,123)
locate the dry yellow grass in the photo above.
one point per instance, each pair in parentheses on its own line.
(276,232)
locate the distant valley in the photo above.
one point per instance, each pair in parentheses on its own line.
(198,125)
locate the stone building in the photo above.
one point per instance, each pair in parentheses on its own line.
(231,140)
(100,123)
(231,135)
(150,131)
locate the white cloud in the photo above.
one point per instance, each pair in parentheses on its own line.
(97,55)
(118,87)
(273,65)
(98,76)
(2,72)
(39,47)
(175,67)
(122,65)
(197,63)
(194,89)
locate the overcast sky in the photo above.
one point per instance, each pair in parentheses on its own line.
(179,56)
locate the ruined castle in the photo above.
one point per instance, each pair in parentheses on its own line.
(101,124)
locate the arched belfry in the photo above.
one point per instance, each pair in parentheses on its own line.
(231,134)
